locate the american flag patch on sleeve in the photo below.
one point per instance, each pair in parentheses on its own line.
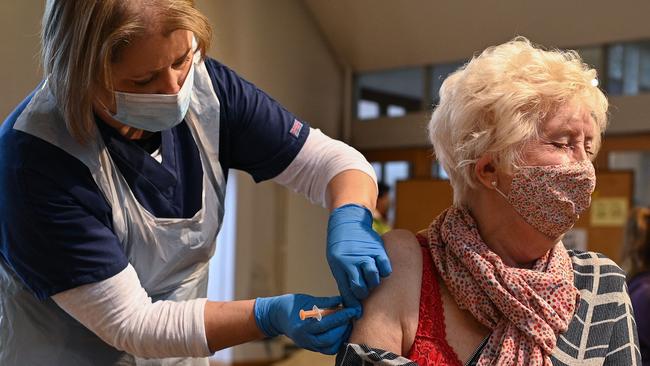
(295,128)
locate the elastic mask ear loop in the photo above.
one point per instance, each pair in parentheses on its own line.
(105,108)
(494,184)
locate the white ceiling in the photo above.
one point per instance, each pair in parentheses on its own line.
(380,34)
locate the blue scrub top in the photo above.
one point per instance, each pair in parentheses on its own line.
(56,228)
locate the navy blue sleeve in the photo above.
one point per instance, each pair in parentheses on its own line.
(258,135)
(55,226)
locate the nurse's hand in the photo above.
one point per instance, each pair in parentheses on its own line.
(355,253)
(281,315)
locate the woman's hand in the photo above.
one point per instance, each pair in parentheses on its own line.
(281,315)
(355,253)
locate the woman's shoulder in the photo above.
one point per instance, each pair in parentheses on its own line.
(402,245)
(405,253)
(596,273)
(581,258)
(227,82)
(604,314)
(395,302)
(29,163)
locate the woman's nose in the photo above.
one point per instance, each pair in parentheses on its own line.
(170,81)
(580,154)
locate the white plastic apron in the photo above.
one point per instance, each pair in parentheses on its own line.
(170,255)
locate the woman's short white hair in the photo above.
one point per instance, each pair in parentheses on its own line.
(498,101)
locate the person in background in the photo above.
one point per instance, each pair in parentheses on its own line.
(636,262)
(380,213)
(489,282)
(112,183)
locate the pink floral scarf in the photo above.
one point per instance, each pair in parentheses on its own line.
(525,308)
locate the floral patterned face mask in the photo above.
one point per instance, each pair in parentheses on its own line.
(551,198)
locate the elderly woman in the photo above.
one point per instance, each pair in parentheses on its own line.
(490,282)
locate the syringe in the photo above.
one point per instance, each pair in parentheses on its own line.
(317,313)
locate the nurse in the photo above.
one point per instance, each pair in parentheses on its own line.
(112,181)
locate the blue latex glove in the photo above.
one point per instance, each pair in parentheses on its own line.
(355,253)
(281,315)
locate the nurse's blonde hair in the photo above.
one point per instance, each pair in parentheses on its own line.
(499,100)
(80,39)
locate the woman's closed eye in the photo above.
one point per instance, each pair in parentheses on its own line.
(143,82)
(568,146)
(562,145)
(179,64)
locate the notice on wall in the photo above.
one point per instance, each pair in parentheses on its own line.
(608,211)
(575,239)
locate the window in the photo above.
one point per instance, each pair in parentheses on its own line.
(378,167)
(367,109)
(395,111)
(623,69)
(390,172)
(395,171)
(438,172)
(594,57)
(438,74)
(391,93)
(639,163)
(628,71)
(221,284)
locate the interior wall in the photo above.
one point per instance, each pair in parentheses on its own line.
(19,36)
(629,114)
(277,46)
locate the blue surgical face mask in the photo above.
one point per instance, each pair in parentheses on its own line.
(154,112)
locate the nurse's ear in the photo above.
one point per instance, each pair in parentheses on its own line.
(486,172)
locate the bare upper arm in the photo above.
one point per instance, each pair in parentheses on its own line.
(390,313)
